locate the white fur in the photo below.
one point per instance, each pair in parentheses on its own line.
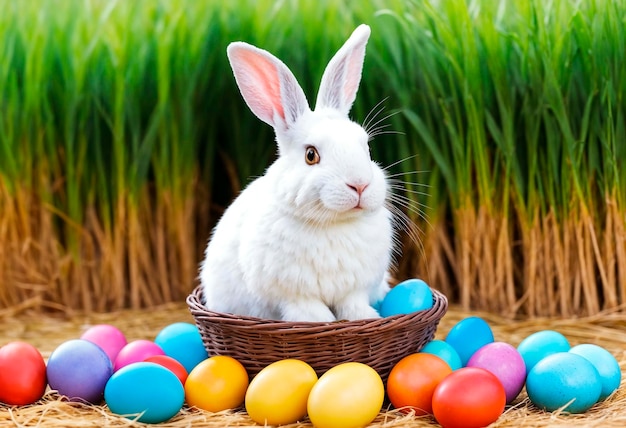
(300,243)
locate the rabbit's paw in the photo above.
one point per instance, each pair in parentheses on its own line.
(378,293)
(307,310)
(355,308)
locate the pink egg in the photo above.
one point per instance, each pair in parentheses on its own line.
(136,351)
(107,337)
(505,363)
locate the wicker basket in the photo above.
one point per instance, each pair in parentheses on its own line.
(256,342)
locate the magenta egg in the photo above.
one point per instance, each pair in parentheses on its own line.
(506,363)
(107,337)
(135,352)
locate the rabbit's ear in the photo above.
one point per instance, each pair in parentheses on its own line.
(267,85)
(342,76)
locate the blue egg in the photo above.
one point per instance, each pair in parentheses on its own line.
(445,351)
(563,378)
(79,370)
(407,297)
(541,344)
(468,336)
(182,341)
(606,365)
(147,390)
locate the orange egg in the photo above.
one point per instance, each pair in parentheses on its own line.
(217,383)
(413,380)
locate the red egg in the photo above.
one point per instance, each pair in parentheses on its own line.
(22,374)
(470,397)
(413,380)
(171,364)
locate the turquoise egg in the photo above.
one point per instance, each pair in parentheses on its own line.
(468,336)
(563,378)
(541,344)
(606,365)
(146,389)
(445,351)
(407,297)
(182,341)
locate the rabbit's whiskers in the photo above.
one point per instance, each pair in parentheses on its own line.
(374,126)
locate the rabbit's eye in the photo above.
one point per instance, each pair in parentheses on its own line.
(311,156)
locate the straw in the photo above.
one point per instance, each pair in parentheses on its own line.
(46,332)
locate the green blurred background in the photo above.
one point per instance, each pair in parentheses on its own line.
(123,138)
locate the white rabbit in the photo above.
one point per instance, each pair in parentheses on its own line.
(311,240)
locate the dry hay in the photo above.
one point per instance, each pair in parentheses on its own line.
(46,333)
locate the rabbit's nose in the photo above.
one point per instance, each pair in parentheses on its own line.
(358,188)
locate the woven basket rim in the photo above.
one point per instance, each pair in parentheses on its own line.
(194,301)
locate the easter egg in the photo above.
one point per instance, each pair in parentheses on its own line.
(407,297)
(506,363)
(79,370)
(541,344)
(563,378)
(171,364)
(106,336)
(606,365)
(135,352)
(468,336)
(445,351)
(413,380)
(278,394)
(22,374)
(217,383)
(348,395)
(470,397)
(146,391)
(182,341)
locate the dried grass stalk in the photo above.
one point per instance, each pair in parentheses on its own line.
(46,332)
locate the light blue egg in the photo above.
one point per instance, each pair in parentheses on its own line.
(407,297)
(182,341)
(445,351)
(541,344)
(468,336)
(606,365)
(146,389)
(563,378)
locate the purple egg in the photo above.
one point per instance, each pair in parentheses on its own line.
(135,352)
(504,361)
(79,370)
(106,336)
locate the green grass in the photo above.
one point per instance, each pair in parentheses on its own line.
(512,107)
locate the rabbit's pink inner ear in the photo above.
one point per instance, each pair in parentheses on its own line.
(259,82)
(352,79)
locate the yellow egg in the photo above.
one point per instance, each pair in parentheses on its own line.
(349,395)
(217,383)
(278,394)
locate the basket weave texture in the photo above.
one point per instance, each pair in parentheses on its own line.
(256,343)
